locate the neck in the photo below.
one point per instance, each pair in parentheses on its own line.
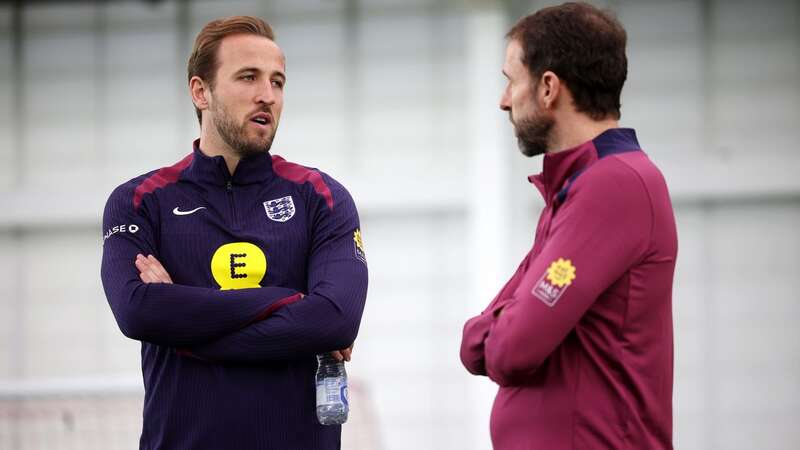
(212,144)
(576,130)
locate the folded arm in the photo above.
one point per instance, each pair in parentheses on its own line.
(328,317)
(476,329)
(168,314)
(596,236)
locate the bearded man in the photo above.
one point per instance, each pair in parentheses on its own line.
(580,338)
(234,267)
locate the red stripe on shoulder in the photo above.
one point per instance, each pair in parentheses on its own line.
(299,174)
(163,177)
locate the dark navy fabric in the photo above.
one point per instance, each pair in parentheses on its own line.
(269,270)
(616,140)
(610,142)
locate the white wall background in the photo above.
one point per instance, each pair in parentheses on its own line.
(398,100)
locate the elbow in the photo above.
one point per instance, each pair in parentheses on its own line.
(344,329)
(473,362)
(473,343)
(132,321)
(344,333)
(319,323)
(509,365)
(132,327)
(349,332)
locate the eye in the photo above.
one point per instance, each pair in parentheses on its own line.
(278,83)
(248,77)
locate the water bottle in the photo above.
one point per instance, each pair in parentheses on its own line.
(332,405)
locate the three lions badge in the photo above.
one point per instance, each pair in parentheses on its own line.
(280,209)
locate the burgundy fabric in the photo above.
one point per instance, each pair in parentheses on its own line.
(300,174)
(161,178)
(585,360)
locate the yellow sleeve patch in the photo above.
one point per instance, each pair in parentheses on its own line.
(358,243)
(561,272)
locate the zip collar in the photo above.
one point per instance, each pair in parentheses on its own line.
(213,170)
(559,170)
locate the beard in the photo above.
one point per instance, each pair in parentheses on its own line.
(235,135)
(533,134)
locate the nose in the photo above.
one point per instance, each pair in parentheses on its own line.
(266,94)
(505,100)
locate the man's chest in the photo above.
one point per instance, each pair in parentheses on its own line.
(234,238)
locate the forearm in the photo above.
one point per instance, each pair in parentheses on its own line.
(146,305)
(179,316)
(312,325)
(515,347)
(476,329)
(472,343)
(326,319)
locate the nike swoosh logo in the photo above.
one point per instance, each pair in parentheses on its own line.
(178,212)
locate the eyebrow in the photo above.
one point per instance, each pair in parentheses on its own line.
(256,69)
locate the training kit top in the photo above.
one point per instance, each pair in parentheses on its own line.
(269,270)
(580,338)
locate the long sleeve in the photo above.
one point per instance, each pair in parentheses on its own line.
(477,328)
(168,314)
(328,317)
(599,233)
(472,343)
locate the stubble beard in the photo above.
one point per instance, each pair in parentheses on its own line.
(533,134)
(235,135)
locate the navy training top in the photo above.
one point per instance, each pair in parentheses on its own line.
(269,270)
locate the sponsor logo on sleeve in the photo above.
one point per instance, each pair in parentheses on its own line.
(556,279)
(238,265)
(280,209)
(358,244)
(125,228)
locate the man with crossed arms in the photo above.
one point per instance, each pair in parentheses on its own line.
(234,267)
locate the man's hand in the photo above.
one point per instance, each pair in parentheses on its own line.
(151,271)
(345,354)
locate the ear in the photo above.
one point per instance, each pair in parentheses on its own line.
(549,89)
(200,92)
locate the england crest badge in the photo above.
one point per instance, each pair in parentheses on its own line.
(280,209)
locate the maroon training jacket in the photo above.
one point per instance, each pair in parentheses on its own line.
(580,338)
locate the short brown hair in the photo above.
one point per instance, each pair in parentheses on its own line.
(584,46)
(203,62)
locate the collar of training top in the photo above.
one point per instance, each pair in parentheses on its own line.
(560,169)
(212,169)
